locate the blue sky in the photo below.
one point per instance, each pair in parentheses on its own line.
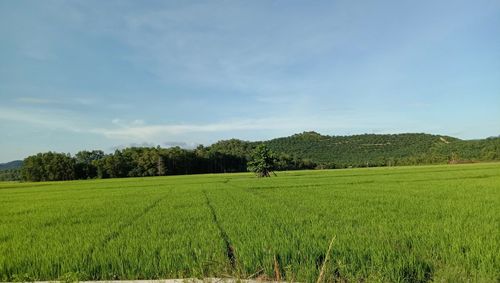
(103,74)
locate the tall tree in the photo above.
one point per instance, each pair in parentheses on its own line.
(263,162)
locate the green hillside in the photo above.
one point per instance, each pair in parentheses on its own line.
(16,164)
(385,150)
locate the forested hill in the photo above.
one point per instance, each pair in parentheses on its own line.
(385,150)
(10,171)
(359,150)
(16,164)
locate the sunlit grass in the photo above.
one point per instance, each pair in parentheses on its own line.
(408,224)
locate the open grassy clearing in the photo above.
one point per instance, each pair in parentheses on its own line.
(409,224)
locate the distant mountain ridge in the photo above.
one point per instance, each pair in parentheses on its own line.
(16,164)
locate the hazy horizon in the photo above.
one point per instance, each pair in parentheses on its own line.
(96,75)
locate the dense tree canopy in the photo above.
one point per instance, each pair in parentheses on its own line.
(146,161)
(49,166)
(86,163)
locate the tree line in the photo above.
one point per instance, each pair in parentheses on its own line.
(146,161)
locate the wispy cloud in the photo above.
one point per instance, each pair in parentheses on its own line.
(35,100)
(221,48)
(292,124)
(45,119)
(148,132)
(139,131)
(61,101)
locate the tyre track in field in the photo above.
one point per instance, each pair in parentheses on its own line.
(114,234)
(231,256)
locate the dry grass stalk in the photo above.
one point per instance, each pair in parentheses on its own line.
(327,256)
(277,274)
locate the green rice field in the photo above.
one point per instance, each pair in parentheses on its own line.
(397,224)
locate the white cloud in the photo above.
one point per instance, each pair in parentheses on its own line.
(139,132)
(116,121)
